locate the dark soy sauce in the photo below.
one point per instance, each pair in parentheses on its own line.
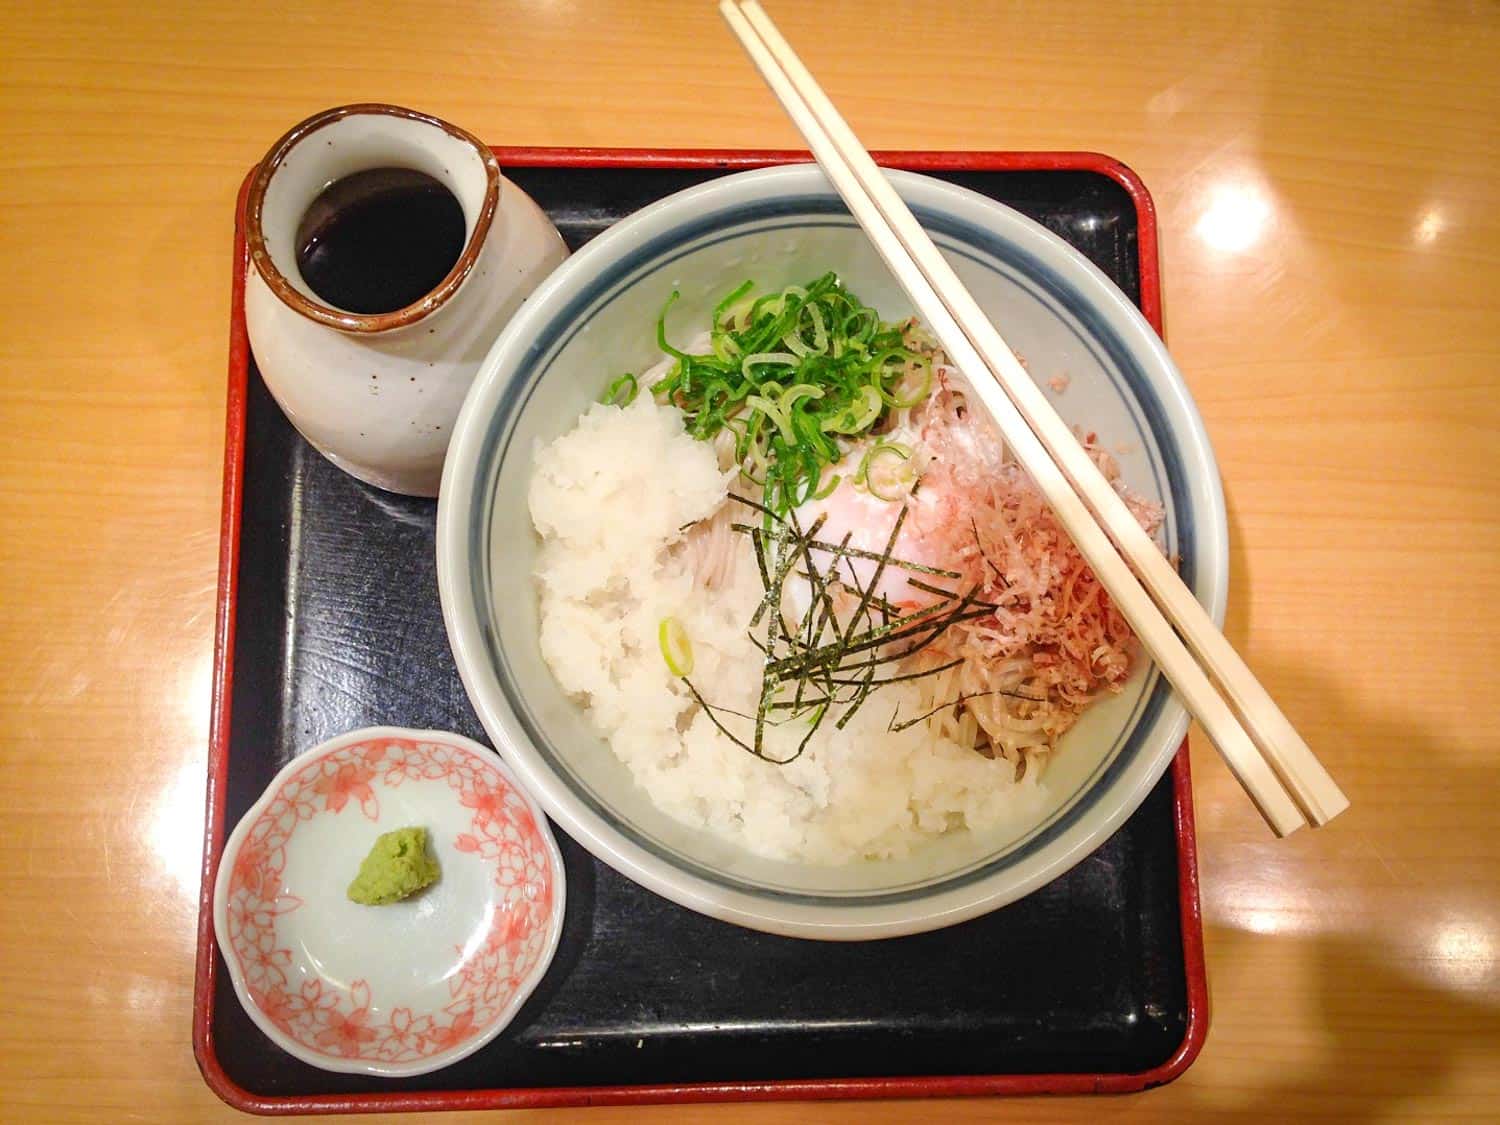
(377,241)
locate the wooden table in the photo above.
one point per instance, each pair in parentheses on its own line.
(1326,180)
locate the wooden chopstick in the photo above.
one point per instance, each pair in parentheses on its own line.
(1316,793)
(906,248)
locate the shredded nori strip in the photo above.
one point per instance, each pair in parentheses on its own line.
(798,377)
(894,726)
(821,665)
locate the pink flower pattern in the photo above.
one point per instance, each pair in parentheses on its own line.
(349,1024)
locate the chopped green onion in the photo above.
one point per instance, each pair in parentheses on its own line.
(923,387)
(883,449)
(766,359)
(857,418)
(827,490)
(723,308)
(676,647)
(792,395)
(794,339)
(773,411)
(621,391)
(798,376)
(661,331)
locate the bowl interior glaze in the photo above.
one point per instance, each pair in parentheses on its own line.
(596,317)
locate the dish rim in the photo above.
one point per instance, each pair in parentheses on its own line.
(534,977)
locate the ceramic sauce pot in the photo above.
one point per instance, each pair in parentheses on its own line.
(377,393)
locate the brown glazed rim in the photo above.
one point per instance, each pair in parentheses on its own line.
(298,301)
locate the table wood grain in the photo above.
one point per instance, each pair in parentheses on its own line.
(1326,176)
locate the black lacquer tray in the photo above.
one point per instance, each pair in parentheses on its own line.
(329,620)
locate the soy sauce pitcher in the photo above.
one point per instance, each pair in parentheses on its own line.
(364,331)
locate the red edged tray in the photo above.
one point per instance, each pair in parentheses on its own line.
(1138,964)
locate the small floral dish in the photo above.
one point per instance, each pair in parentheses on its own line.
(413,986)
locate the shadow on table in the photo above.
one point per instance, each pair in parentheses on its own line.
(1370,1003)
(1369,1009)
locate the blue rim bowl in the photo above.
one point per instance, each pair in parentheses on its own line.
(594,317)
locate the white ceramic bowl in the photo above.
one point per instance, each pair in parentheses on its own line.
(594,318)
(412,986)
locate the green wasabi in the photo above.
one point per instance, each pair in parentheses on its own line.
(397,867)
